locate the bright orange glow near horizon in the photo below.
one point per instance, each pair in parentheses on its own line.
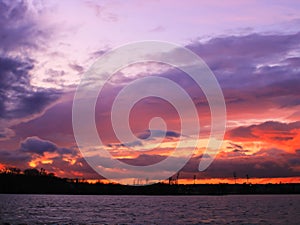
(277,180)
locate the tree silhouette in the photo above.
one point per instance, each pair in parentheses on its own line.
(31,172)
(12,170)
(43,172)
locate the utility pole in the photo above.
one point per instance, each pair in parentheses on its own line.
(234,176)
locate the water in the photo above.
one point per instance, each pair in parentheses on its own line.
(91,209)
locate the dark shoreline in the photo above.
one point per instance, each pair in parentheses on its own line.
(22,184)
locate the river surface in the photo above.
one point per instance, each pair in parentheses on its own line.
(91,209)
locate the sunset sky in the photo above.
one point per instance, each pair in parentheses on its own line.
(252,47)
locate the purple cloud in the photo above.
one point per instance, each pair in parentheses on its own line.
(37,146)
(159,133)
(18,28)
(18,98)
(20,32)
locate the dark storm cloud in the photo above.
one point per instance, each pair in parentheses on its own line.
(238,52)
(19,30)
(39,146)
(18,98)
(255,68)
(17,26)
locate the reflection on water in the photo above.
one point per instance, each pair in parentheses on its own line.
(75,209)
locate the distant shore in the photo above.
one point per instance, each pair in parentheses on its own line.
(24,184)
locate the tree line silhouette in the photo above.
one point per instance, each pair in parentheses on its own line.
(34,181)
(27,172)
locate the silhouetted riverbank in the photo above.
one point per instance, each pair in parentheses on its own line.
(30,184)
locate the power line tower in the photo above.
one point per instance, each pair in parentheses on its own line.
(234,176)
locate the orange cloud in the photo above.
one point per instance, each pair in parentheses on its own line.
(274,134)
